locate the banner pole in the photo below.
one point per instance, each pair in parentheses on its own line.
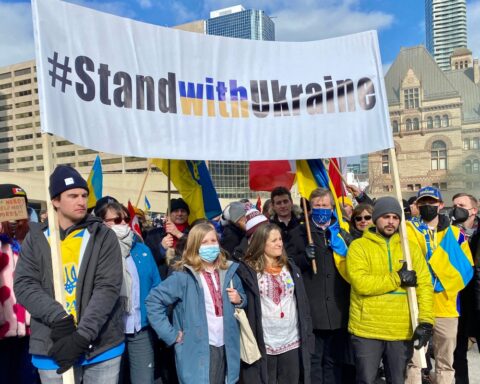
(55,249)
(143,184)
(169,189)
(411,291)
(309,232)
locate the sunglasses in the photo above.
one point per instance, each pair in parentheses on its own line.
(118,220)
(360,218)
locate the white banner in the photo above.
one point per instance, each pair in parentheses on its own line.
(126,87)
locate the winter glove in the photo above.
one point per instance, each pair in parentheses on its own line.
(68,350)
(310,251)
(63,327)
(422,335)
(407,278)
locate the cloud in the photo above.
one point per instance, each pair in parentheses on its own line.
(473,21)
(305,20)
(16,33)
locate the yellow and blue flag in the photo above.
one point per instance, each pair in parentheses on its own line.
(452,265)
(193,181)
(147,204)
(95,183)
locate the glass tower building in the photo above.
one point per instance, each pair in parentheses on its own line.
(446,28)
(231,177)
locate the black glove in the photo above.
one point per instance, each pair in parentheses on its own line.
(310,251)
(422,335)
(407,278)
(63,327)
(68,350)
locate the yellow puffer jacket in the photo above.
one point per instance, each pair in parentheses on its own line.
(378,305)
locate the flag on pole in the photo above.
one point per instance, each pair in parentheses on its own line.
(259,204)
(147,204)
(193,181)
(267,175)
(95,183)
(134,223)
(335,176)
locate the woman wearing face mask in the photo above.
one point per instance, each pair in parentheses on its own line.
(278,311)
(361,220)
(204,329)
(140,276)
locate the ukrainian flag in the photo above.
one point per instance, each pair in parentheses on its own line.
(312,174)
(193,181)
(147,204)
(95,183)
(452,265)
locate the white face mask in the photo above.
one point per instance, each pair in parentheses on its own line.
(121,230)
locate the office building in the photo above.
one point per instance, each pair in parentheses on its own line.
(446,28)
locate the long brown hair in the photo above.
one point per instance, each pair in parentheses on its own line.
(255,255)
(190,255)
(19,232)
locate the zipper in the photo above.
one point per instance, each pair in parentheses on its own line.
(389,255)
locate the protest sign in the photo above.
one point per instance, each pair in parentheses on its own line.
(14,208)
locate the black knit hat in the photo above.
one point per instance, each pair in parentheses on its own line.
(64,178)
(179,204)
(385,205)
(8,191)
(102,202)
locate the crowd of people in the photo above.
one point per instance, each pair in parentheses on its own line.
(325,291)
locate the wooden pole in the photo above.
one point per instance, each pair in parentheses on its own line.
(309,232)
(339,172)
(55,250)
(143,184)
(411,291)
(169,188)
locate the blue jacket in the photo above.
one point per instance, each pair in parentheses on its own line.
(184,290)
(147,273)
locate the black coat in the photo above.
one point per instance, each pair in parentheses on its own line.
(328,292)
(286,229)
(231,238)
(257,372)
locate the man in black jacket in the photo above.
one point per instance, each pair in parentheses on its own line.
(88,333)
(328,292)
(284,217)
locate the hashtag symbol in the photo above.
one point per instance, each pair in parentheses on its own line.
(64,69)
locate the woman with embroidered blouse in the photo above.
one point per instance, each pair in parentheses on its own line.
(277,310)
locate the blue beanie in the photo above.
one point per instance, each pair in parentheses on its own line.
(64,178)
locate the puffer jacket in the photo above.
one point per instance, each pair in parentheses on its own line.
(378,305)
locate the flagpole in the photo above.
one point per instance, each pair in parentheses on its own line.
(55,250)
(169,189)
(143,184)
(309,232)
(411,291)
(338,171)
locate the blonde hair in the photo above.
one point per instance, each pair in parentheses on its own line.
(255,255)
(191,255)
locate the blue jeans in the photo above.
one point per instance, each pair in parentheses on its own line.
(106,372)
(140,356)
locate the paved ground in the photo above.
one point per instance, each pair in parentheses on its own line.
(474,365)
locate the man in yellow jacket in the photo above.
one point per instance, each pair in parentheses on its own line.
(379,313)
(450,263)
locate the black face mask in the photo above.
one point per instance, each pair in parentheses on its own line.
(428,212)
(459,215)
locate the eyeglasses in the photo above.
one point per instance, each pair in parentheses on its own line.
(118,220)
(365,218)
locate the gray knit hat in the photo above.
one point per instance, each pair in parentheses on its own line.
(234,211)
(386,205)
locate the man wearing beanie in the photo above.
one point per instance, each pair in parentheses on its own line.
(379,312)
(443,246)
(327,290)
(88,333)
(160,240)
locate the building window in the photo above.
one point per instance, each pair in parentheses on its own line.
(416,124)
(411,98)
(475,166)
(474,143)
(395,126)
(418,187)
(445,121)
(385,163)
(409,125)
(439,155)
(429,122)
(437,122)
(466,144)
(409,187)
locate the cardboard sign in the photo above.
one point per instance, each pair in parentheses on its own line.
(14,208)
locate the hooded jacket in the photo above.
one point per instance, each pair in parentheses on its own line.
(378,305)
(97,294)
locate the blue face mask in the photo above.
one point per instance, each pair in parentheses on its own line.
(321,215)
(209,253)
